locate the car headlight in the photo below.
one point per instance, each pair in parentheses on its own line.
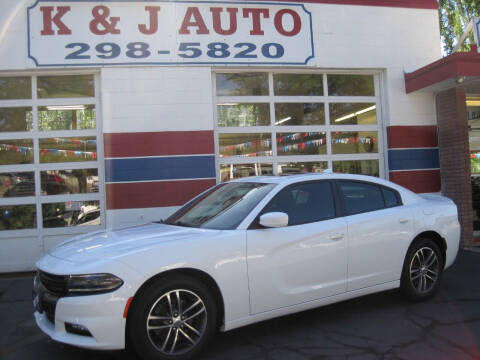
(92,284)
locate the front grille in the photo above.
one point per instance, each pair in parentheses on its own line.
(48,307)
(51,289)
(55,284)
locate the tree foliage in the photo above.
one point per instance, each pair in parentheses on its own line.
(454,17)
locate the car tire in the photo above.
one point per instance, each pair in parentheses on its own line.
(422,270)
(159,328)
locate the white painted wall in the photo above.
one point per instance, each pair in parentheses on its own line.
(13,34)
(156,99)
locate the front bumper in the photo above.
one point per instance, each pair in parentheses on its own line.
(100,314)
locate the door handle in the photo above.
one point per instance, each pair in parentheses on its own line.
(403,221)
(337,236)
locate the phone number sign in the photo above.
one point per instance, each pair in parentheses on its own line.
(83,33)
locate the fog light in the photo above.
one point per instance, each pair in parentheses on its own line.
(77,329)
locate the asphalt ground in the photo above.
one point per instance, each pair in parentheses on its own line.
(379,326)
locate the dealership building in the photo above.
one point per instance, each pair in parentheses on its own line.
(115,113)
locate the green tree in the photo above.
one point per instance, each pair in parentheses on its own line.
(454,18)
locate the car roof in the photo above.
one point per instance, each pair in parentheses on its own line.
(407,195)
(286,179)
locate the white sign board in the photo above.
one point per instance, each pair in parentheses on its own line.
(82,33)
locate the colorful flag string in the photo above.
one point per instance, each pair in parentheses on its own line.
(25,149)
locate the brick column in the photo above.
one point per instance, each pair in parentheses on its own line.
(455,156)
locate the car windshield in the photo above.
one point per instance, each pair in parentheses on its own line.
(222,207)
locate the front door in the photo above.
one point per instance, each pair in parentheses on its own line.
(305,261)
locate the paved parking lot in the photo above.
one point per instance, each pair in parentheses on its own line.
(381,326)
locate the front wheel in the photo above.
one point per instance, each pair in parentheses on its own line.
(173,318)
(422,270)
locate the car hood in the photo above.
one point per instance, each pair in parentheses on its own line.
(117,243)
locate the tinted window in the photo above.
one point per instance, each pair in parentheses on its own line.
(304,203)
(390,197)
(361,197)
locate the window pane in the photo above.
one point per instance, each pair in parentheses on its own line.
(71,213)
(18,217)
(237,171)
(12,88)
(390,198)
(17,184)
(68,149)
(67,86)
(245,145)
(79,181)
(243,114)
(361,197)
(351,85)
(245,84)
(16,151)
(223,207)
(301,167)
(361,167)
(353,114)
(307,143)
(66,117)
(298,84)
(304,203)
(16,119)
(288,114)
(355,142)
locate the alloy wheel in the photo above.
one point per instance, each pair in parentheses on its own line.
(176,322)
(424,270)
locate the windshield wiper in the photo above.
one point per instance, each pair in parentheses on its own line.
(180,223)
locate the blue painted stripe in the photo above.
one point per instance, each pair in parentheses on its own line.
(410,159)
(159,168)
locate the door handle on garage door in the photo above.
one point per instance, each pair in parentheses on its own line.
(337,236)
(402,220)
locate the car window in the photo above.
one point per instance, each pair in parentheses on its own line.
(390,197)
(304,203)
(361,197)
(223,207)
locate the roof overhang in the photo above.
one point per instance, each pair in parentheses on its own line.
(460,68)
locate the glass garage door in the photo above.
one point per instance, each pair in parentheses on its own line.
(50,173)
(293,122)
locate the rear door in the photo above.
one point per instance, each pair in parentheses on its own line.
(380,228)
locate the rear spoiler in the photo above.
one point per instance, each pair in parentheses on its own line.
(436,197)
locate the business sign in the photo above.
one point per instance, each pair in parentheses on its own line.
(83,33)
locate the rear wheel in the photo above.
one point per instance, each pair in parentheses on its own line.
(422,270)
(173,318)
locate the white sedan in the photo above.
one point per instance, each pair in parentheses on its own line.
(239,253)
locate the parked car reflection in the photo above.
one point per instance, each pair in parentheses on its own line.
(71,214)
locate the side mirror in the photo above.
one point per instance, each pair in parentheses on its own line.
(274,220)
